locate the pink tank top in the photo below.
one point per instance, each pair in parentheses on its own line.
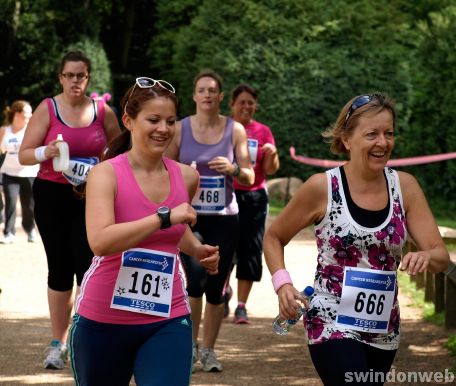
(130,204)
(86,141)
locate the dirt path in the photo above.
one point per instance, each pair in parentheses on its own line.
(251,354)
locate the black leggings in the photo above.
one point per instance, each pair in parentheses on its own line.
(337,361)
(60,217)
(214,230)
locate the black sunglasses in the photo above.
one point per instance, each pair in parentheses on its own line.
(361,101)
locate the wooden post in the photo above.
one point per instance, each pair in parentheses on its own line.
(450,297)
(439,295)
(429,287)
(419,278)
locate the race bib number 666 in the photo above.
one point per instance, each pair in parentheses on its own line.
(367,300)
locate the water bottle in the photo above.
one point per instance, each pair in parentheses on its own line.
(61,163)
(283,326)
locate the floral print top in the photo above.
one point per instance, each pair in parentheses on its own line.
(342,242)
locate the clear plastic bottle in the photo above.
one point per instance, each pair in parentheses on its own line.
(61,163)
(283,326)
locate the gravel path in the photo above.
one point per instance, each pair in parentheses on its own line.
(251,354)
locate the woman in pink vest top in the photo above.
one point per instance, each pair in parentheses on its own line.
(132,314)
(86,126)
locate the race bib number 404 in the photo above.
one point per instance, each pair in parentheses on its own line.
(145,282)
(79,169)
(367,300)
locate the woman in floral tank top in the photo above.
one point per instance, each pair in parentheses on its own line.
(362,213)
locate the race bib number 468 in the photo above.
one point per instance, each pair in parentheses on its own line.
(367,300)
(210,197)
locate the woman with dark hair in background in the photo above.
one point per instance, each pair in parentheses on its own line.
(132,315)
(252,200)
(86,126)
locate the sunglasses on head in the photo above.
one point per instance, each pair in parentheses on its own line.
(360,101)
(144,82)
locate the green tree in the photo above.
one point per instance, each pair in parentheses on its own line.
(434,115)
(306,58)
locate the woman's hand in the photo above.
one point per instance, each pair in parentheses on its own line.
(414,262)
(52,150)
(222,165)
(288,305)
(209,257)
(183,214)
(269,149)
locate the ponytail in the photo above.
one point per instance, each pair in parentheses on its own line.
(118,145)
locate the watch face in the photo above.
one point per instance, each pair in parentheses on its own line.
(163,210)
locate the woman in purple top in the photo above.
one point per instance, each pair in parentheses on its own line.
(252,200)
(212,143)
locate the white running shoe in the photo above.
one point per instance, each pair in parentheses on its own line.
(57,355)
(195,355)
(31,236)
(210,361)
(8,239)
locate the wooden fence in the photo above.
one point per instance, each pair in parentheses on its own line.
(440,288)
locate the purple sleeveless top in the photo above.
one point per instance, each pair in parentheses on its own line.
(192,151)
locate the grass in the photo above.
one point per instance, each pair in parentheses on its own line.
(275,207)
(446,222)
(417,295)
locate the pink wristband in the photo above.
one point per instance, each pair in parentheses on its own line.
(280,278)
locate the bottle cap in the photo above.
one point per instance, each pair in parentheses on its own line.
(59,137)
(308,291)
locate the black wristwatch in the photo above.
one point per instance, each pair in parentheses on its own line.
(164,214)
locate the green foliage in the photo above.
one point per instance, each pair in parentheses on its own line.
(305,58)
(275,207)
(417,296)
(435,105)
(451,345)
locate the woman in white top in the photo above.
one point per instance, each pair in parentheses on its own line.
(17,179)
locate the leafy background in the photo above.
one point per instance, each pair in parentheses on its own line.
(307,58)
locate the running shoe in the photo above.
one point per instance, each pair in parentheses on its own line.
(210,361)
(8,239)
(57,354)
(195,355)
(31,236)
(226,297)
(240,315)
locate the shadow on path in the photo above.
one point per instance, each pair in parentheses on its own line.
(251,355)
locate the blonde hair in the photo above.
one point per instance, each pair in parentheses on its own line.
(349,116)
(10,111)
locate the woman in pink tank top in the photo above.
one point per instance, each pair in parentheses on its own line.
(86,126)
(132,315)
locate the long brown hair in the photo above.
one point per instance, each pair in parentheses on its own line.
(132,103)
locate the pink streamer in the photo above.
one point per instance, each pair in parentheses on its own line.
(325,163)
